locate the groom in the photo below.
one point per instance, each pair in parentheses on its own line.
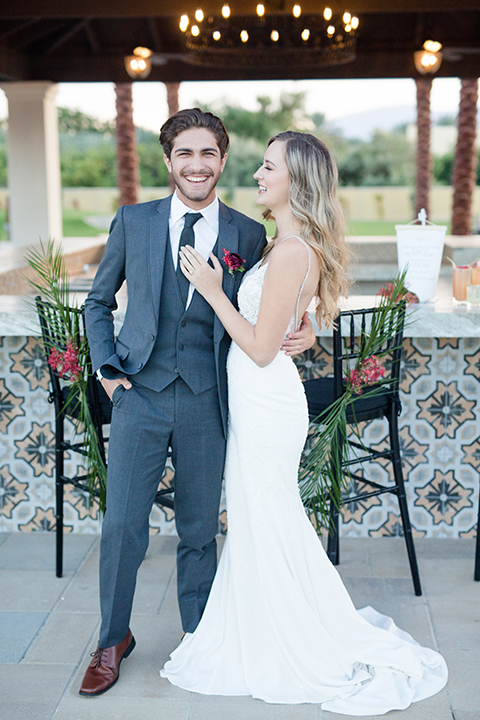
(166,377)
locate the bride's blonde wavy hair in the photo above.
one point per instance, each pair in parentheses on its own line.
(313,182)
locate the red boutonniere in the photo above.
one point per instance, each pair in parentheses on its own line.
(233,261)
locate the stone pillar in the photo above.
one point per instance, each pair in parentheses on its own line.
(33,162)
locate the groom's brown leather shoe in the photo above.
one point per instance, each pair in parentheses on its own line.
(102,672)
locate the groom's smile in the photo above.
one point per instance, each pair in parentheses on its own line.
(196,165)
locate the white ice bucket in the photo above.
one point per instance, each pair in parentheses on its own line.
(420,250)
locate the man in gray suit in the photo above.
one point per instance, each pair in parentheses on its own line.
(166,376)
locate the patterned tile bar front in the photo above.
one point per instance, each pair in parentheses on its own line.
(439,433)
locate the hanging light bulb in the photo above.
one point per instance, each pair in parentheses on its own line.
(244,36)
(296,11)
(260,10)
(195,30)
(226,11)
(348,27)
(347,17)
(184,22)
(327,13)
(354,22)
(305,34)
(142,52)
(137,67)
(199,15)
(430,45)
(330,30)
(274,35)
(216,35)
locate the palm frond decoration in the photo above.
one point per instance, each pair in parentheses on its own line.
(328,448)
(69,355)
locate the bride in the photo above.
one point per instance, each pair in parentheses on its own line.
(279,624)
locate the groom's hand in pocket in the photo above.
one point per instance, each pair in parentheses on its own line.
(110,385)
(297,342)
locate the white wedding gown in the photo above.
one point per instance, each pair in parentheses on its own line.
(279,624)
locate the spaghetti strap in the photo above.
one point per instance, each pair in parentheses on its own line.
(304,279)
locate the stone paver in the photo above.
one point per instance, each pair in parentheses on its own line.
(17,631)
(32,692)
(49,626)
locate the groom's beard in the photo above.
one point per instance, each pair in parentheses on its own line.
(193,193)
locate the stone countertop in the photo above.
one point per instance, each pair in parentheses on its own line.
(437,318)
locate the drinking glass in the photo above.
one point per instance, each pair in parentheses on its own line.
(461,279)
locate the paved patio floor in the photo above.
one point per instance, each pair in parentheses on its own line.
(49,626)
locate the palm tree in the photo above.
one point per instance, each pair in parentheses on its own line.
(465,163)
(172,97)
(127,157)
(422,189)
(172,102)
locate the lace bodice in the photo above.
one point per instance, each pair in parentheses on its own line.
(250,293)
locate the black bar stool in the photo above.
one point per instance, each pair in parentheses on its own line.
(66,407)
(350,333)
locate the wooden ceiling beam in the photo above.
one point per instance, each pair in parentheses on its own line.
(14,66)
(167,8)
(92,37)
(64,37)
(18,27)
(39,30)
(155,34)
(108,68)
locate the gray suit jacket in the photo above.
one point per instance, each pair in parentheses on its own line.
(135,252)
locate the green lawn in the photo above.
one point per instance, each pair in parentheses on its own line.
(377,227)
(74,226)
(360,227)
(3,234)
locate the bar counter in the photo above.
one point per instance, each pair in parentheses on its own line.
(439,425)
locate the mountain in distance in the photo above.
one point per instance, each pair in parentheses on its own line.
(363,125)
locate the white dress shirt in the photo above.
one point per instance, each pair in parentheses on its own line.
(205,229)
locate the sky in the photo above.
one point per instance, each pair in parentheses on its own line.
(334,98)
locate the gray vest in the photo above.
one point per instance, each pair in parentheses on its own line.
(184,344)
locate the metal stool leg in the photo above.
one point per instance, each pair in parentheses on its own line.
(59,492)
(476,575)
(402,501)
(333,545)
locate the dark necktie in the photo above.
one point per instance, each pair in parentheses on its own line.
(186,238)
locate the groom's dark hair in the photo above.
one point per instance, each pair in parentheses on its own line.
(193,118)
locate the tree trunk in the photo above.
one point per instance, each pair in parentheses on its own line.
(127,158)
(422,189)
(172,97)
(465,163)
(172,102)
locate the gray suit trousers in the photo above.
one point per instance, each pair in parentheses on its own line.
(144,424)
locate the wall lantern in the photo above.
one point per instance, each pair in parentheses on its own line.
(139,65)
(428,60)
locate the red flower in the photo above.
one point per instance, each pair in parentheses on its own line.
(233,261)
(402,294)
(66,362)
(369,372)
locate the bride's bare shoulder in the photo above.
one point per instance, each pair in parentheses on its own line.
(293,252)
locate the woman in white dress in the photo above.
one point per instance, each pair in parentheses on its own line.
(279,624)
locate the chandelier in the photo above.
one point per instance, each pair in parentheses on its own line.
(269,38)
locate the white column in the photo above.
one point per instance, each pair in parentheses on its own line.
(33,162)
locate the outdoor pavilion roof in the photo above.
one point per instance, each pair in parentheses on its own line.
(87,40)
